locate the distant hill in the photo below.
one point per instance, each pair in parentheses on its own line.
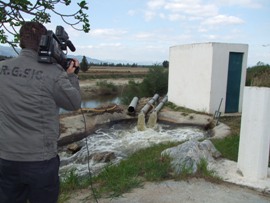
(9,52)
(89,60)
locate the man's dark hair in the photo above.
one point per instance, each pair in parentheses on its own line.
(30,35)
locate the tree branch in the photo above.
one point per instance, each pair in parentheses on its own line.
(14,13)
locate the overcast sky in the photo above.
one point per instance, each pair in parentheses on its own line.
(144,30)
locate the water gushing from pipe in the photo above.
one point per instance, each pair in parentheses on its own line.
(144,111)
(122,140)
(152,120)
(141,122)
(153,116)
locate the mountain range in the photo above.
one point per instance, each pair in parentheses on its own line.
(9,52)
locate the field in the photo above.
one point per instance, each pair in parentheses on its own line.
(92,81)
(107,71)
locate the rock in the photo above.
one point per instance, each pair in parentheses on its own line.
(188,119)
(73,148)
(104,157)
(221,131)
(188,155)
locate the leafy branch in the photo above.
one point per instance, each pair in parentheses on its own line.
(15,12)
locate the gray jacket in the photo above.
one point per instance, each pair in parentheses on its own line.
(30,96)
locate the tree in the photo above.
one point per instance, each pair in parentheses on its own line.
(156,81)
(259,63)
(14,13)
(165,64)
(134,65)
(84,64)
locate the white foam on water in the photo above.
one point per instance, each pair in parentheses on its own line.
(122,141)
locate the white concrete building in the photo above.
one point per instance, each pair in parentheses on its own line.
(201,75)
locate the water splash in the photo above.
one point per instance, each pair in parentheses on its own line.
(152,121)
(141,122)
(122,140)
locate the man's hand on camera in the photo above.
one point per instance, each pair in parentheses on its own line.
(74,64)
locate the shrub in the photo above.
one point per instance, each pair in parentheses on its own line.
(106,88)
(155,82)
(258,76)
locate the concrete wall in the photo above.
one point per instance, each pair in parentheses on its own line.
(198,75)
(253,153)
(190,76)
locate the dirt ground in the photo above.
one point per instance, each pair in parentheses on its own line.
(89,87)
(191,191)
(122,73)
(119,71)
(119,81)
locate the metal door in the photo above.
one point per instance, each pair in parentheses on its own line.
(233,82)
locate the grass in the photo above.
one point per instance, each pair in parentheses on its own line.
(228,146)
(205,173)
(130,173)
(185,111)
(71,182)
(115,180)
(233,122)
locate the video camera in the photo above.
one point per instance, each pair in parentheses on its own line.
(51,48)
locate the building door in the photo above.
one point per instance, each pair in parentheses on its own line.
(233,82)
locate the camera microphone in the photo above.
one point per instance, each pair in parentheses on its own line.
(70,46)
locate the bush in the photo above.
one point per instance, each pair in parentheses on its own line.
(155,82)
(258,76)
(130,91)
(106,88)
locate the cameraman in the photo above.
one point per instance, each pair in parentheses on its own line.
(31,95)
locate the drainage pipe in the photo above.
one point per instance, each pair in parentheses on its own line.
(146,108)
(132,105)
(160,105)
(153,116)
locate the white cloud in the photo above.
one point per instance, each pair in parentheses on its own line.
(109,45)
(242,3)
(179,9)
(222,20)
(155,4)
(149,15)
(144,35)
(111,33)
(202,29)
(212,37)
(101,45)
(192,7)
(131,12)
(175,16)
